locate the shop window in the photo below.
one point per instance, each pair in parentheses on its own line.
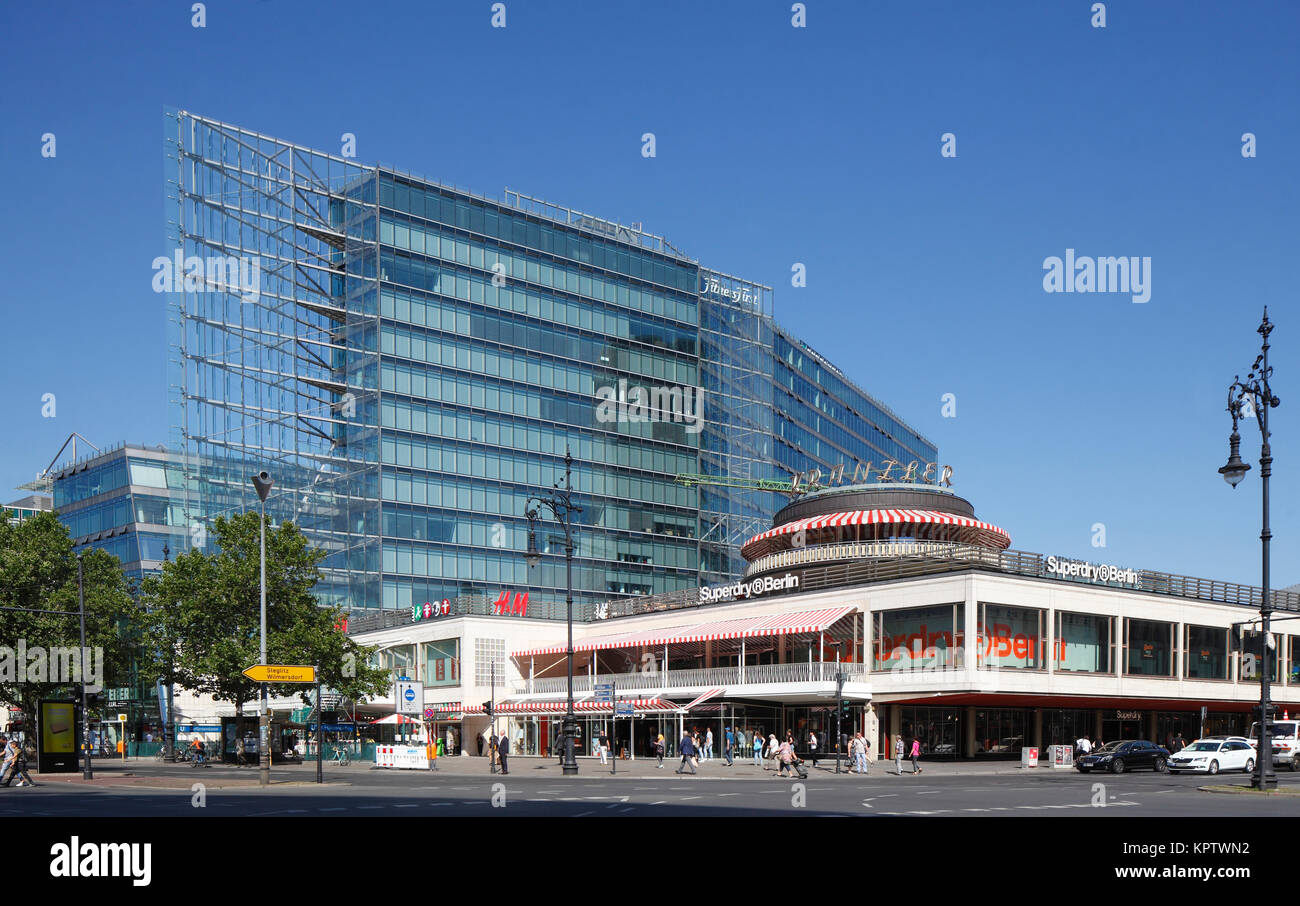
(1010,637)
(1148,648)
(1083,642)
(1205,653)
(921,638)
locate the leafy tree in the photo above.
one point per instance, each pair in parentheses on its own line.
(203,622)
(38,571)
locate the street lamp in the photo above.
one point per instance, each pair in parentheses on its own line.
(87,772)
(262,482)
(562,508)
(1255,396)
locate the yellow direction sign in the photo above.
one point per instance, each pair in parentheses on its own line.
(280,673)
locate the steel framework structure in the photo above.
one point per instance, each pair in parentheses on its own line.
(284,378)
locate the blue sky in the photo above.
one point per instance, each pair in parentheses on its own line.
(775,145)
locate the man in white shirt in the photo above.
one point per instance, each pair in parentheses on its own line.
(1083,745)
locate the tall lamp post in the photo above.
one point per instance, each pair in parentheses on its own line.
(1255,396)
(562,507)
(262,481)
(87,772)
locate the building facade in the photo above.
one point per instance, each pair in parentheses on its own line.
(412,361)
(897,598)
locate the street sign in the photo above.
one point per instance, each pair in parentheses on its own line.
(623,709)
(604,692)
(280,673)
(121,718)
(409,697)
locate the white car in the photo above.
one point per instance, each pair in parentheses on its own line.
(1215,754)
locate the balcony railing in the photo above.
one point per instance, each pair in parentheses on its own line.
(664,681)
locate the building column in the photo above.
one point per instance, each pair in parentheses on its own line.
(708,654)
(871,730)
(1151,724)
(780,649)
(1096,727)
(1038,731)
(971,628)
(895,730)
(970,731)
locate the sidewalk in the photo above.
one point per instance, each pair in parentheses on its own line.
(147,772)
(532,766)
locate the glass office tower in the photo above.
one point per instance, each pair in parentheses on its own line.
(416,360)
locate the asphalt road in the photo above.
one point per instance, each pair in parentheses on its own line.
(539,790)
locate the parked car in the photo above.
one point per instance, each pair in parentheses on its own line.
(1214,754)
(1118,757)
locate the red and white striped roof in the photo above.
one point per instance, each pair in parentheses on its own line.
(744,627)
(559,706)
(985,532)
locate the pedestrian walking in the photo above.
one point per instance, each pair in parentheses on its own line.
(787,759)
(916,754)
(774,750)
(10,756)
(503,750)
(812,747)
(708,744)
(659,750)
(602,746)
(687,745)
(858,749)
(898,755)
(728,743)
(758,750)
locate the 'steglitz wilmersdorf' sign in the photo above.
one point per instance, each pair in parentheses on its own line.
(914,472)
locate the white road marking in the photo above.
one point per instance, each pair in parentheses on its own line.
(583,814)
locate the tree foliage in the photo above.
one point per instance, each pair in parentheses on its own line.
(204,617)
(38,571)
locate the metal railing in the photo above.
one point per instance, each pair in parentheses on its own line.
(860,563)
(890,564)
(663,681)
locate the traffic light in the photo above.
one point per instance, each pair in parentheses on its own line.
(487,707)
(1236,636)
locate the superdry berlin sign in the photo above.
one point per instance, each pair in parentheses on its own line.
(1091,572)
(739,591)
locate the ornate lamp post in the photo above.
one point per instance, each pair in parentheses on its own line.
(1255,396)
(561,505)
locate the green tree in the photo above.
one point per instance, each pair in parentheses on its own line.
(38,571)
(203,621)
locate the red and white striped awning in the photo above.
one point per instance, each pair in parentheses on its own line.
(984,532)
(642,705)
(743,627)
(712,693)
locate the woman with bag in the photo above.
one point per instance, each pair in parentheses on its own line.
(916,754)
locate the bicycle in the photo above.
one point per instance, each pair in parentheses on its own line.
(341,756)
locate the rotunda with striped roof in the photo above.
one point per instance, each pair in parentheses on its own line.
(870,521)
